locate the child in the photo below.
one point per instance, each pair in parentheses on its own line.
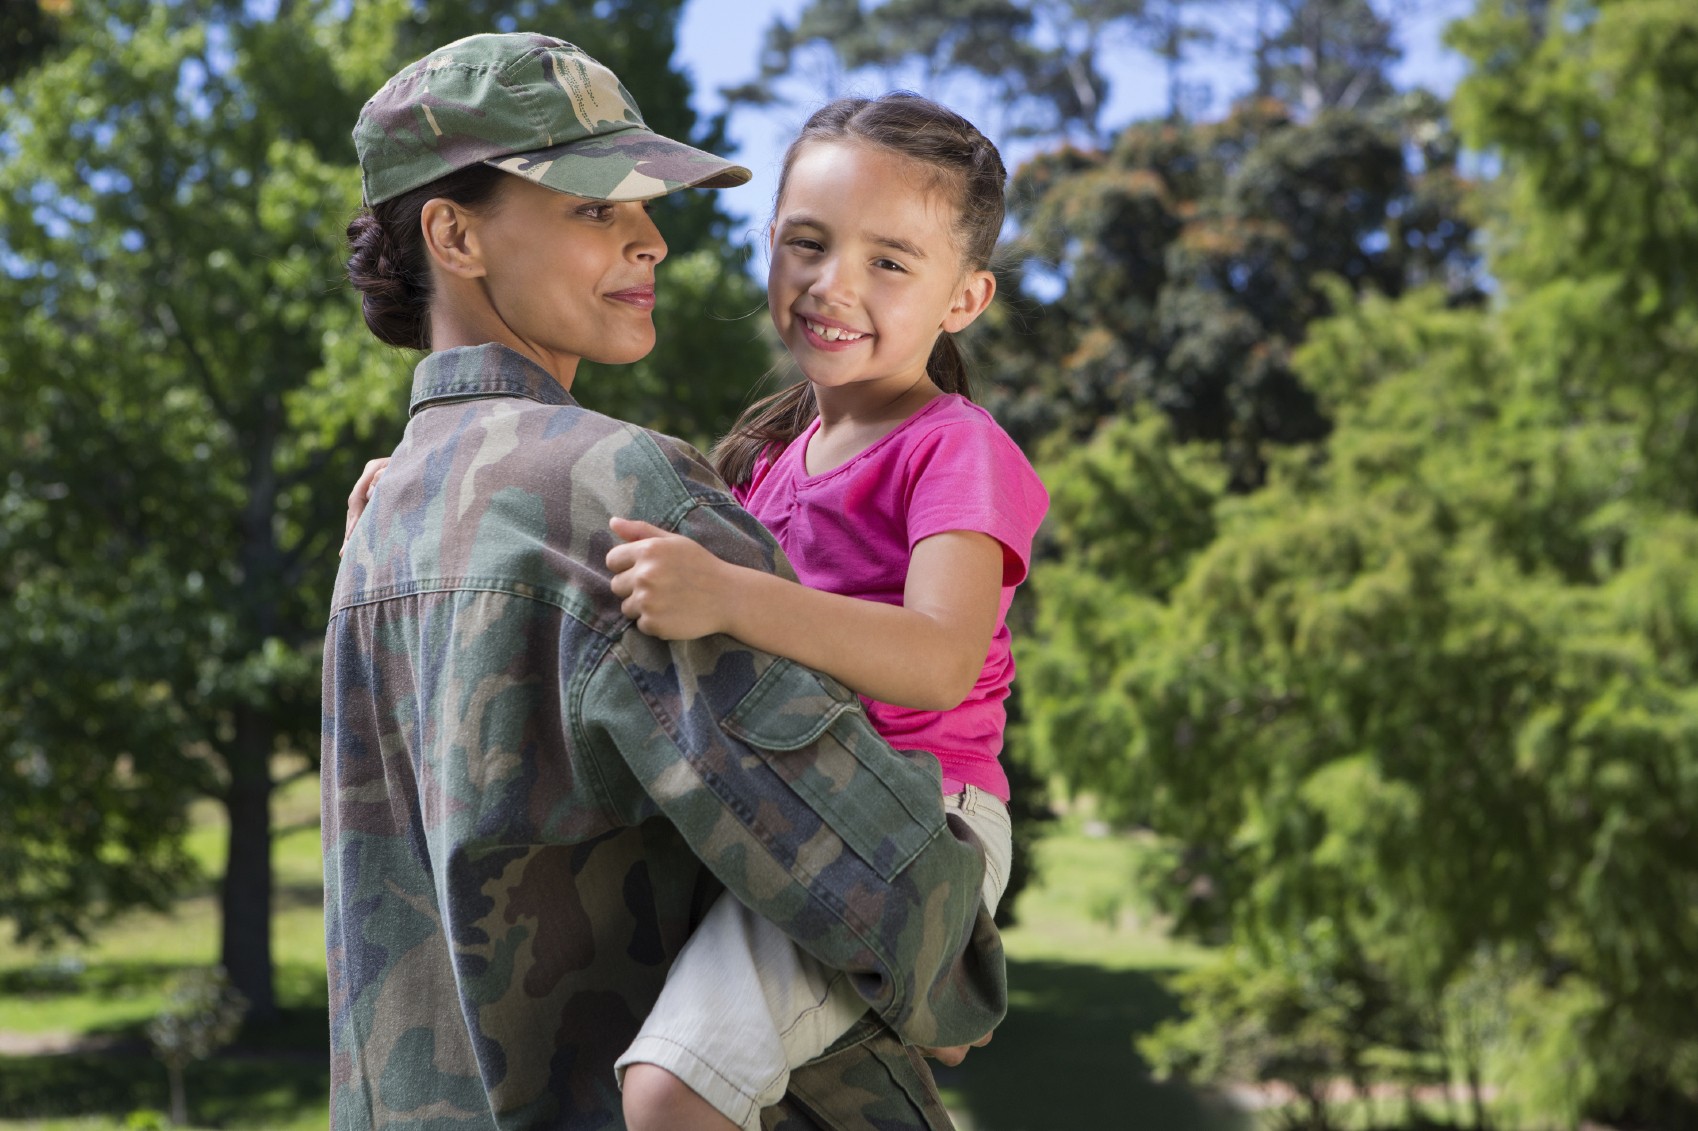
(908,515)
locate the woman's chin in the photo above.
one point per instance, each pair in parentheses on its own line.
(626,356)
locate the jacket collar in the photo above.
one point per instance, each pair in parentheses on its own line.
(482,371)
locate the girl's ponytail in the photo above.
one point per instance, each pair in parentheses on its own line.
(947,368)
(773,420)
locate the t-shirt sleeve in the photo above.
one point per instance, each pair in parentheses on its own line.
(969,475)
(745,490)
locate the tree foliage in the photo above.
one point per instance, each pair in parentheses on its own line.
(189,392)
(1418,720)
(1042,60)
(1191,259)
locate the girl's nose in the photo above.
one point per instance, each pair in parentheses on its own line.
(831,284)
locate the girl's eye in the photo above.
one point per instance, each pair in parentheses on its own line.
(888,265)
(596,211)
(805,244)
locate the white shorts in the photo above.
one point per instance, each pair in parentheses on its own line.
(743,1005)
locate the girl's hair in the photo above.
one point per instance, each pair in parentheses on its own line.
(387,260)
(964,165)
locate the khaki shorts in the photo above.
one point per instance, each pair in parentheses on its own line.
(743,1005)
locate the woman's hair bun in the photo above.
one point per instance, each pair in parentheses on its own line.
(395,307)
(387,260)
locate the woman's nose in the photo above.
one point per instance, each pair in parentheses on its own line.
(647,244)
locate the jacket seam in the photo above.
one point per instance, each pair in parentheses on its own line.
(472,584)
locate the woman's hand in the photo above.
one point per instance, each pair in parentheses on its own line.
(672,587)
(361,495)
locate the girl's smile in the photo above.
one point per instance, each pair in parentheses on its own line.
(832,335)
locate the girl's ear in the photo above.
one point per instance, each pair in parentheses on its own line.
(450,236)
(976,292)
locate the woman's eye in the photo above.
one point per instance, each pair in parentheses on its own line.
(596,211)
(888,265)
(805,244)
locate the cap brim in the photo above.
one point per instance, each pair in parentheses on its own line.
(632,164)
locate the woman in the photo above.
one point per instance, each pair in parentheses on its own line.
(528,804)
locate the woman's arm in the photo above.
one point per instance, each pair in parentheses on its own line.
(925,653)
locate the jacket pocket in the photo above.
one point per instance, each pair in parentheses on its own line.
(886,806)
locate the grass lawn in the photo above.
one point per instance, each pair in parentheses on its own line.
(1085,976)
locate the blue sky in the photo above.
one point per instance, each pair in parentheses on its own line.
(719,40)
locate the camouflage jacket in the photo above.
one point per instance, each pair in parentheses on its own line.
(528,803)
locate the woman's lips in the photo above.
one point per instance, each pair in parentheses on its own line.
(640,297)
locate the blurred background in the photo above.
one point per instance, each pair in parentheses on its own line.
(1356,732)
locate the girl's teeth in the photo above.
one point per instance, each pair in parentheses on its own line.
(832,333)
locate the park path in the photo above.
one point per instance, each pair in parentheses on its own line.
(53,1044)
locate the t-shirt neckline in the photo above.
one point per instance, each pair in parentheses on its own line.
(800,443)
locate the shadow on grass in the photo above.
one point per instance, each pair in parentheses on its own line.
(1063,1059)
(276,1070)
(231,1091)
(106,979)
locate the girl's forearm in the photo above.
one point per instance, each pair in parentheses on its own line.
(887,652)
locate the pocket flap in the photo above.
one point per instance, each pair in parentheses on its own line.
(885,805)
(789,707)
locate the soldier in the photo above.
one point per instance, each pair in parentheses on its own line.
(528,804)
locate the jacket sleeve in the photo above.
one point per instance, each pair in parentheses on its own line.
(781,786)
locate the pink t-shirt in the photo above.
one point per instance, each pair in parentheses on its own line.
(850,530)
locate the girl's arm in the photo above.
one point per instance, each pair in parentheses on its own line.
(925,653)
(361,495)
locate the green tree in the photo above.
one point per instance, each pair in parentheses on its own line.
(1329,55)
(1190,259)
(28,30)
(1041,60)
(190,393)
(1419,718)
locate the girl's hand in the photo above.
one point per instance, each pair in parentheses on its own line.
(956,1053)
(361,495)
(672,587)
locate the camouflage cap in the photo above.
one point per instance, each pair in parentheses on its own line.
(533,106)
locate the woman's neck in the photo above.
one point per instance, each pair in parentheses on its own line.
(452,327)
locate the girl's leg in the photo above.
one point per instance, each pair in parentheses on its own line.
(726,1027)
(987,815)
(656,1100)
(743,1006)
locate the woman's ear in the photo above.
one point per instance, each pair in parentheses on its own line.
(450,236)
(976,292)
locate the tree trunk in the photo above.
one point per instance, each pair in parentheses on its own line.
(179,1097)
(1476,1096)
(1264,45)
(247,873)
(1173,52)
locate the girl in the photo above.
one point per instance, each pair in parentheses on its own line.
(908,515)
